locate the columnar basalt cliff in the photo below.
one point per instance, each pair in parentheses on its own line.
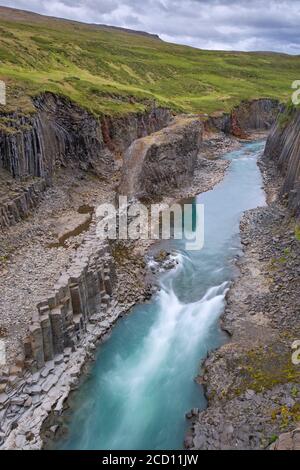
(27,148)
(83,291)
(64,331)
(27,153)
(256,115)
(91,142)
(15,207)
(84,302)
(119,133)
(254,374)
(283,146)
(164,160)
(60,134)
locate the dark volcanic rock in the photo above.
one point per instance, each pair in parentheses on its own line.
(283,146)
(61,134)
(251,383)
(257,115)
(166,159)
(248,116)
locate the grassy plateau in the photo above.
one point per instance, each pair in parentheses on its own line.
(110,71)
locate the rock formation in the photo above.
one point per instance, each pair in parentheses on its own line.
(163,160)
(253,375)
(248,116)
(61,134)
(283,146)
(65,325)
(84,290)
(17,205)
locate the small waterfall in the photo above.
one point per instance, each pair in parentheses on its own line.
(142,383)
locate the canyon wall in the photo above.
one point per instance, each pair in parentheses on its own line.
(164,160)
(83,301)
(283,146)
(248,116)
(61,134)
(257,115)
(17,200)
(85,290)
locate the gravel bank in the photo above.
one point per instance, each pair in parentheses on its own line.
(252,386)
(30,268)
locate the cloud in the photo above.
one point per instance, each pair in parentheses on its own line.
(208,24)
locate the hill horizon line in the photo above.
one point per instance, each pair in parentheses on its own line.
(31,15)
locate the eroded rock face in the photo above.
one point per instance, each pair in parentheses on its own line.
(23,146)
(17,201)
(257,115)
(163,160)
(283,146)
(118,134)
(61,134)
(94,142)
(248,116)
(82,291)
(73,135)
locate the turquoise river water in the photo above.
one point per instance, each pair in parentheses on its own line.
(142,382)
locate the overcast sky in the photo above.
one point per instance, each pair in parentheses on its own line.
(209,24)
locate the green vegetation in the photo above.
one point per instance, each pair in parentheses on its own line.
(286,416)
(297,232)
(115,72)
(263,368)
(287,116)
(3,261)
(268,367)
(273,439)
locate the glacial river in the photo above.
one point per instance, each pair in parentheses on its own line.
(142,382)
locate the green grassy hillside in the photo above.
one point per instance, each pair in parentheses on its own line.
(115,72)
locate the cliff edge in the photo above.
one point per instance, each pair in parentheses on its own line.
(283,146)
(165,159)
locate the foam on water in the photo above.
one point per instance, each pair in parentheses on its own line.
(142,383)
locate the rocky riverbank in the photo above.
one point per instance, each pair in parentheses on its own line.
(62,290)
(251,383)
(41,393)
